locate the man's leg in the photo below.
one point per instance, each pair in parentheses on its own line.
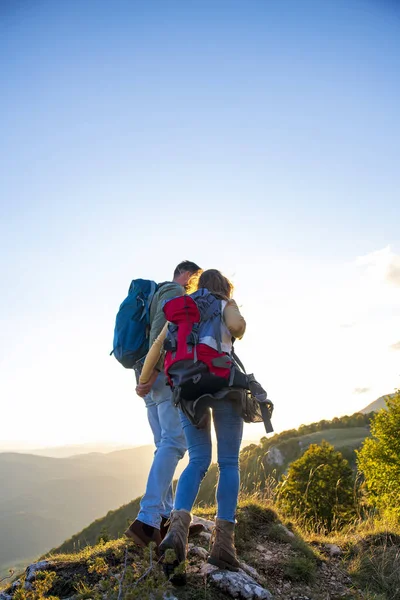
(171,448)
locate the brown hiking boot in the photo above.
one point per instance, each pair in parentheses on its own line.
(143,534)
(193,529)
(223,553)
(176,539)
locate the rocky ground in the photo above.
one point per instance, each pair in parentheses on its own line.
(276,564)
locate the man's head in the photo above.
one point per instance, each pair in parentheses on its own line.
(184,272)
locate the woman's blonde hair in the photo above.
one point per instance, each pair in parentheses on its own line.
(213,281)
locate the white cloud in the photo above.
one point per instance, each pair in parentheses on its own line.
(382,265)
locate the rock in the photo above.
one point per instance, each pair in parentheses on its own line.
(205,535)
(207,569)
(261,548)
(169,596)
(4,596)
(275,456)
(16,585)
(208,525)
(239,585)
(286,530)
(30,573)
(198,551)
(333,550)
(250,571)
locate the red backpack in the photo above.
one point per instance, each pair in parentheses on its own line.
(194,361)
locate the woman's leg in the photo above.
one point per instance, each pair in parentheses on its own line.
(199,448)
(229,430)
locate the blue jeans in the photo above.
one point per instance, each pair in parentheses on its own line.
(170,445)
(229,430)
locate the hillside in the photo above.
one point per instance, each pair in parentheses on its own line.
(278,562)
(46,499)
(37,487)
(376,404)
(258,462)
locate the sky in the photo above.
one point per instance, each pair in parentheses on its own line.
(261,138)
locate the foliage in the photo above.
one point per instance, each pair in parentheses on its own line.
(98,566)
(379,458)
(43,583)
(318,488)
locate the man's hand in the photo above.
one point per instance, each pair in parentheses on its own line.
(142,389)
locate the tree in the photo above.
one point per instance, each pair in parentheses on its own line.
(318,488)
(379,458)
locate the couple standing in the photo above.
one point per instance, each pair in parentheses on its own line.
(160,519)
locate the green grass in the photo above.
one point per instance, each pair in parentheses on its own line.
(352,436)
(300,569)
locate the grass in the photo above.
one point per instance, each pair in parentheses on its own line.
(377,570)
(300,569)
(340,437)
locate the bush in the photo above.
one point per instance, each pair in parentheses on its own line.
(318,489)
(379,459)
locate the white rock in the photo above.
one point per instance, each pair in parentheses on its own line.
(275,456)
(333,549)
(169,596)
(287,531)
(31,571)
(250,571)
(16,584)
(198,551)
(207,569)
(239,585)
(4,596)
(209,525)
(261,548)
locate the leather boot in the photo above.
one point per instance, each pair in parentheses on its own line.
(176,539)
(223,553)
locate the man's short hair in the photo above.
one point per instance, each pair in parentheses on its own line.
(186,265)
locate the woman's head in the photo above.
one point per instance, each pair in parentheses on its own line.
(214,282)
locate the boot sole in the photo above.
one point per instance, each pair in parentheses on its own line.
(221,564)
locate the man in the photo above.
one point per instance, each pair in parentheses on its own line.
(156,504)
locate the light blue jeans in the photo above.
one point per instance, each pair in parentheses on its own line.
(229,430)
(170,445)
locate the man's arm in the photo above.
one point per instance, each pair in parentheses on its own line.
(166,292)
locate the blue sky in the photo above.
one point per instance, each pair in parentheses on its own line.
(259,137)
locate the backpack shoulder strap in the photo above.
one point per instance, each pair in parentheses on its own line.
(237,360)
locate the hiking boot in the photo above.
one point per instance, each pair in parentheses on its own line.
(194,529)
(223,553)
(143,534)
(176,539)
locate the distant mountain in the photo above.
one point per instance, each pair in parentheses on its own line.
(376,404)
(45,500)
(64,451)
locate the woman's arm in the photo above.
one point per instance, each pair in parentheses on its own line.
(234,320)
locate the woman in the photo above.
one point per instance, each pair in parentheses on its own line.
(228,424)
